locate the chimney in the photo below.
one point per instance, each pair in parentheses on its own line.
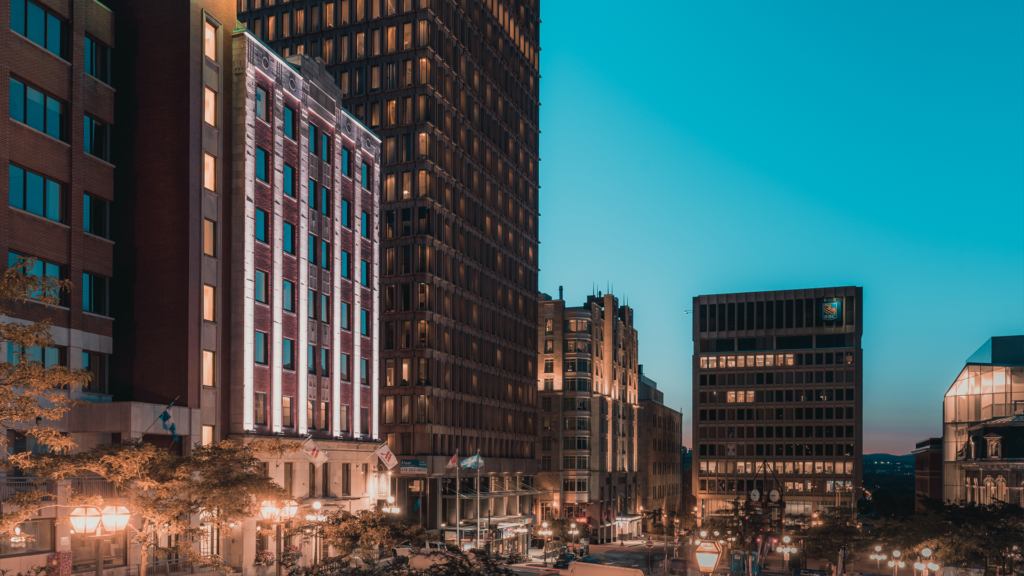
(559,292)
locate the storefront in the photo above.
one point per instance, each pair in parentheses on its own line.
(629,527)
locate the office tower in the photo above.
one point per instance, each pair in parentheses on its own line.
(660,432)
(982,421)
(777,382)
(589,413)
(451,87)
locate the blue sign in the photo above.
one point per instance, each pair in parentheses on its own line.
(418,467)
(831,310)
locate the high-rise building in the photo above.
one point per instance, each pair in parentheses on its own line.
(236,271)
(982,418)
(589,414)
(777,402)
(452,89)
(660,432)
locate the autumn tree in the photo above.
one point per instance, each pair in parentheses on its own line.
(32,395)
(371,531)
(168,494)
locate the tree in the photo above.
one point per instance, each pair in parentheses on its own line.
(216,485)
(741,522)
(835,532)
(32,395)
(370,530)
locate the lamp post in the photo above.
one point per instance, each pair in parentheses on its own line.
(545,533)
(574,533)
(317,517)
(878,557)
(925,564)
(896,563)
(391,508)
(786,549)
(278,513)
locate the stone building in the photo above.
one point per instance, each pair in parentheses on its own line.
(661,435)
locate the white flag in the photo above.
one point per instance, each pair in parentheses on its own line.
(314,453)
(387,456)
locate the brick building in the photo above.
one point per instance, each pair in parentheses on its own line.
(660,431)
(589,414)
(777,382)
(927,471)
(236,271)
(452,89)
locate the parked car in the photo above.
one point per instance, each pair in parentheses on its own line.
(407,548)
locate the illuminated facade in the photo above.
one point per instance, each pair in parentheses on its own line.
(589,412)
(452,88)
(981,425)
(777,382)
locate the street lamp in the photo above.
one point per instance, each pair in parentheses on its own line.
(391,508)
(786,549)
(545,533)
(878,557)
(278,513)
(896,563)
(926,565)
(317,517)
(574,532)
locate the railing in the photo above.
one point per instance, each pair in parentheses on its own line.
(11,486)
(170,566)
(93,486)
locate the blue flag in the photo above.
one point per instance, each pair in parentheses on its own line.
(474,461)
(168,423)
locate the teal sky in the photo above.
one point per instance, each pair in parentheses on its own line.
(706,147)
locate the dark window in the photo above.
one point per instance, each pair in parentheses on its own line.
(289,180)
(799,313)
(780,312)
(346,209)
(261,286)
(731,322)
(260,348)
(262,164)
(37,110)
(789,313)
(325,202)
(760,315)
(325,255)
(366,176)
(325,147)
(346,168)
(35,23)
(287,354)
(95,214)
(97,141)
(769,320)
(261,225)
(703,318)
(36,194)
(261,103)
(94,294)
(289,122)
(97,60)
(288,295)
(289,238)
(366,225)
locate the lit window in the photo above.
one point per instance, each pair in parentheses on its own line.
(209,299)
(209,238)
(210,41)
(210,107)
(209,378)
(209,172)
(261,287)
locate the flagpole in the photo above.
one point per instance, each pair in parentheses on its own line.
(478,502)
(158,417)
(458,519)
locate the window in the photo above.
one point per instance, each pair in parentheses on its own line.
(261,103)
(366,225)
(286,421)
(366,175)
(364,322)
(325,255)
(35,23)
(97,60)
(37,110)
(97,364)
(209,376)
(346,170)
(210,106)
(365,273)
(36,194)
(95,214)
(288,295)
(289,238)
(209,172)
(261,225)
(325,309)
(312,139)
(210,41)
(260,288)
(325,147)
(345,317)
(97,138)
(346,213)
(260,348)
(40,268)
(344,419)
(209,303)
(289,180)
(346,269)
(287,354)
(364,372)
(94,294)
(259,409)
(325,202)
(289,122)
(344,366)
(37,537)
(325,362)
(325,416)
(262,167)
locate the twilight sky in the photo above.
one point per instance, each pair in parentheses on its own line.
(707,147)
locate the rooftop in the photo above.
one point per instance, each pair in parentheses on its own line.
(1000,351)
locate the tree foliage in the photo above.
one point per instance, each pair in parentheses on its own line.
(170,495)
(32,395)
(837,529)
(369,531)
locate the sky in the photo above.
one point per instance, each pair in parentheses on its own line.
(693,148)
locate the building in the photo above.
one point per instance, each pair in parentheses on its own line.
(236,272)
(927,472)
(981,425)
(589,412)
(452,89)
(777,381)
(660,433)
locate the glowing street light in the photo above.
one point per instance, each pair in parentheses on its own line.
(85,520)
(391,508)
(545,533)
(707,552)
(278,513)
(115,518)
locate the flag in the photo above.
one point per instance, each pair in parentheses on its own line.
(453,464)
(387,456)
(474,461)
(168,422)
(314,453)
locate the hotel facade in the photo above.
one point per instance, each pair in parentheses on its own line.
(777,397)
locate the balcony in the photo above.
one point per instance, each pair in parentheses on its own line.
(9,487)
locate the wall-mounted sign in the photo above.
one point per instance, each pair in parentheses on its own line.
(831,310)
(417,467)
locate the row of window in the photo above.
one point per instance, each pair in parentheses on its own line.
(95,288)
(261,356)
(94,362)
(777,314)
(777,432)
(768,360)
(801,395)
(313,416)
(752,414)
(732,450)
(794,377)
(399,409)
(787,468)
(723,486)
(570,384)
